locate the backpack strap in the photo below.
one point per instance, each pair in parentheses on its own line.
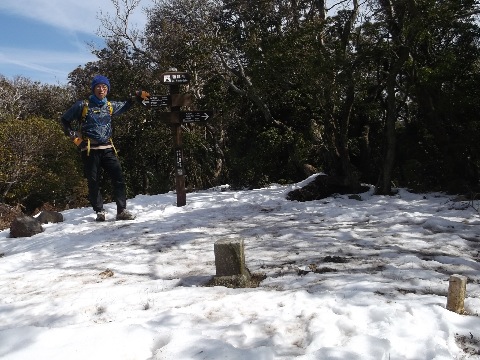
(113,146)
(110,108)
(84,110)
(82,120)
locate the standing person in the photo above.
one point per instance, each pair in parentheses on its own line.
(94,138)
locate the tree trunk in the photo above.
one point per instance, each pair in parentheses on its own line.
(384,185)
(345,167)
(398,56)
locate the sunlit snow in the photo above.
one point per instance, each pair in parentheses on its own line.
(345,279)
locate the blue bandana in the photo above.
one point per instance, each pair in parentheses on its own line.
(96,101)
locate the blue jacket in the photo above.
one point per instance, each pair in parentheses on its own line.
(97,125)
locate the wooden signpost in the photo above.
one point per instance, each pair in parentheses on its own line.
(175,118)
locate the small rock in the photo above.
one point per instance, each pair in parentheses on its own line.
(106,274)
(50,217)
(25,226)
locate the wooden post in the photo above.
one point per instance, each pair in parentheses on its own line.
(176,118)
(178,146)
(457,289)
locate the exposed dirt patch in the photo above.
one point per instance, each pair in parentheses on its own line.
(470,344)
(237,281)
(336,259)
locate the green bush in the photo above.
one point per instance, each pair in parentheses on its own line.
(37,164)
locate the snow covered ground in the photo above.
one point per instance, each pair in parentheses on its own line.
(345,279)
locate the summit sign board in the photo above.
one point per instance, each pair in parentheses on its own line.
(175,78)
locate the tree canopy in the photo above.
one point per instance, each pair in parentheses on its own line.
(381,92)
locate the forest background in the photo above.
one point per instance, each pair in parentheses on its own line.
(383,92)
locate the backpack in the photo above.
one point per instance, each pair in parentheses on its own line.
(84,115)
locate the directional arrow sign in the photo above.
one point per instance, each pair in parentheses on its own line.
(169,100)
(159,101)
(195,116)
(177,117)
(175,77)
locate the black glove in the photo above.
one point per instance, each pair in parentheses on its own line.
(142,95)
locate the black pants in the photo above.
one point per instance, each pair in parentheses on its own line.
(92,166)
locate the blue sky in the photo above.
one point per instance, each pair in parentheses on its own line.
(44,40)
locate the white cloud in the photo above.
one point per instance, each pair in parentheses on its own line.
(45,66)
(77,22)
(42,57)
(77,16)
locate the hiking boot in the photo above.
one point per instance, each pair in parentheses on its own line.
(101,215)
(125,215)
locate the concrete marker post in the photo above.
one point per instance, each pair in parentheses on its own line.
(230,263)
(457,289)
